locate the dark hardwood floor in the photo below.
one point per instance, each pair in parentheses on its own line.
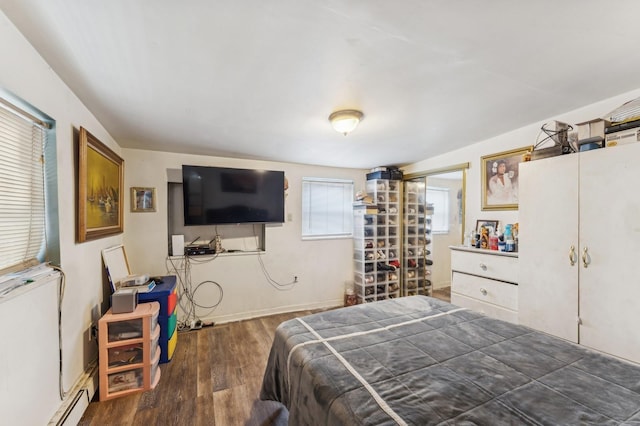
(443,294)
(213,379)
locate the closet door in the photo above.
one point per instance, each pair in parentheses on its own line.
(610,234)
(548,228)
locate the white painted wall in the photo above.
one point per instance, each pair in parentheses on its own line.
(27,75)
(322,266)
(519,138)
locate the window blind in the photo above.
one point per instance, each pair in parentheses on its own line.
(22,206)
(327,208)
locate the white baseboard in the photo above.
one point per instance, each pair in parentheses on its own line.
(272,311)
(77,399)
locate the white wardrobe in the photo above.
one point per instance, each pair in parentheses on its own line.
(579,248)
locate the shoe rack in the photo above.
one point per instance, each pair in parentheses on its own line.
(376,239)
(417,261)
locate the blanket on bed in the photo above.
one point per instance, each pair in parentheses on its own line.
(420,361)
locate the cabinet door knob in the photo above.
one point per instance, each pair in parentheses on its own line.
(483,266)
(483,291)
(572,255)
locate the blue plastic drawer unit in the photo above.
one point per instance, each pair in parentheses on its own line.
(165,293)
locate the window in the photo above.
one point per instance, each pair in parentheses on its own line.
(327,208)
(439,197)
(23,178)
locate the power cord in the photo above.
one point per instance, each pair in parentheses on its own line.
(275,284)
(61,288)
(186,297)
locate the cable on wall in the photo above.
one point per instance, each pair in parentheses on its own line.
(275,284)
(186,298)
(61,288)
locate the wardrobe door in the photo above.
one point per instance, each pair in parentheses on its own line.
(548,229)
(610,242)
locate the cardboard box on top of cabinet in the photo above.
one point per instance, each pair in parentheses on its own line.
(592,128)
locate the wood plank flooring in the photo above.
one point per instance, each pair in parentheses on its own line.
(213,379)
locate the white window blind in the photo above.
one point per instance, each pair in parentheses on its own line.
(439,197)
(22,207)
(327,208)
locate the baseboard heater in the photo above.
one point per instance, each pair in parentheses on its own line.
(77,400)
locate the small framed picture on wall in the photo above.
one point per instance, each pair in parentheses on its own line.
(143,199)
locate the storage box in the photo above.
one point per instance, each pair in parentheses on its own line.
(552,151)
(592,128)
(590,143)
(388,174)
(623,137)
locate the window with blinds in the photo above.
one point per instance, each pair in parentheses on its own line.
(439,197)
(22,195)
(327,208)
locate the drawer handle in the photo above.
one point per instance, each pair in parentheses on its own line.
(483,291)
(483,266)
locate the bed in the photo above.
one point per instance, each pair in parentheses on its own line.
(421,361)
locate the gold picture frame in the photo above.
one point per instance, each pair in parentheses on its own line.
(499,179)
(143,199)
(100,189)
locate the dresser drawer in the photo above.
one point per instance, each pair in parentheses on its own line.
(498,267)
(486,290)
(487,309)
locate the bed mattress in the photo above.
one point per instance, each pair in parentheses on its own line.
(421,361)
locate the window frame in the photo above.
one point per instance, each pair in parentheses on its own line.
(347,211)
(50,244)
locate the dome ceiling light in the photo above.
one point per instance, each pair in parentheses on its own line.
(345,121)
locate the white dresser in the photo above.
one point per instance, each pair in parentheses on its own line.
(485,281)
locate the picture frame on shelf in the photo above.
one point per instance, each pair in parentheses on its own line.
(491,225)
(499,179)
(100,189)
(143,199)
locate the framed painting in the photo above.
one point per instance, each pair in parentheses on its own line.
(143,199)
(100,189)
(499,179)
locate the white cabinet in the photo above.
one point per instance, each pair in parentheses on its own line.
(579,241)
(485,281)
(548,228)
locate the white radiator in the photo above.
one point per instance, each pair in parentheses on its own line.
(29,356)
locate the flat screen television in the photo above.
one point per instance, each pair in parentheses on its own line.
(220,195)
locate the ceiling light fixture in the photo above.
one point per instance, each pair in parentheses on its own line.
(345,121)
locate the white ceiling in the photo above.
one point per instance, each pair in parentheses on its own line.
(258,78)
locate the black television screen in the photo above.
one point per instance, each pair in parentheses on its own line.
(218,195)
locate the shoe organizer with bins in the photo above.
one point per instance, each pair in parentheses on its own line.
(129,351)
(416,240)
(377,243)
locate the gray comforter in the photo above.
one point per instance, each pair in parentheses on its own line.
(420,361)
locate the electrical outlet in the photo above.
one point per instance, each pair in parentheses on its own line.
(93,332)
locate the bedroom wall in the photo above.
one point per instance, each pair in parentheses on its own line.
(524,136)
(27,75)
(322,266)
